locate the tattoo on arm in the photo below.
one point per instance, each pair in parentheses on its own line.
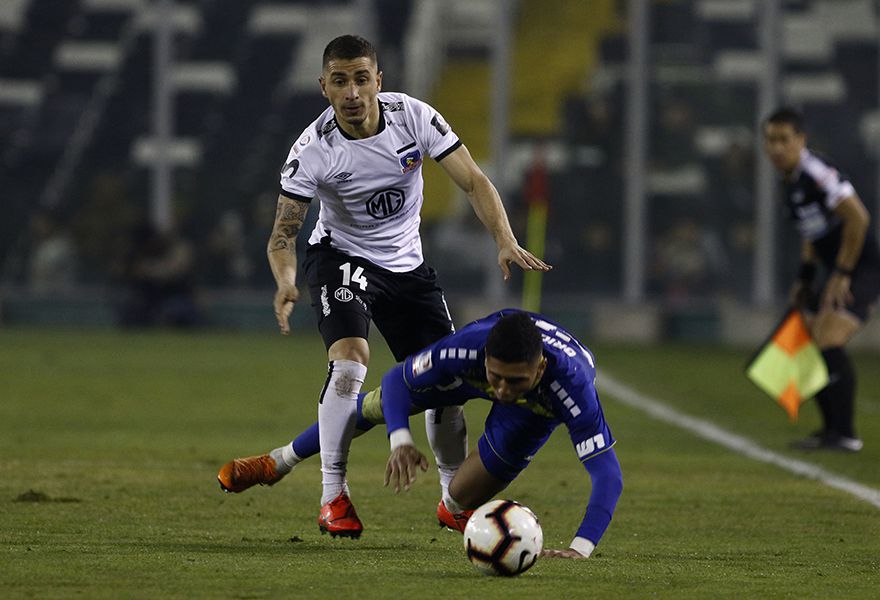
(289,217)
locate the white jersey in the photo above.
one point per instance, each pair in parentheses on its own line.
(370,189)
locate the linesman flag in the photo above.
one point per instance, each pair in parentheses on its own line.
(789,366)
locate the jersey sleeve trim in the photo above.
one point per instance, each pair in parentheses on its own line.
(293,196)
(448,151)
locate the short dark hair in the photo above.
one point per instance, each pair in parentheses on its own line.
(348,47)
(787,115)
(515,338)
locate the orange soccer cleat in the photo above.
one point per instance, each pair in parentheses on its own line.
(240,474)
(454,521)
(338,517)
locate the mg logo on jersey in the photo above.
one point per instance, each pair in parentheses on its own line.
(343,294)
(590,445)
(386,203)
(411,161)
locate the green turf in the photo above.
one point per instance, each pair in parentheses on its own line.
(110,443)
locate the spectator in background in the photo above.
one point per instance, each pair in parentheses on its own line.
(731,182)
(52,264)
(159,274)
(227,257)
(688,260)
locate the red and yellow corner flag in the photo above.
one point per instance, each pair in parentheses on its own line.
(789,366)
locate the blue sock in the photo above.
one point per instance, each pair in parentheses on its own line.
(306,443)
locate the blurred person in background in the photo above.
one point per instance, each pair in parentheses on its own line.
(833,224)
(159,273)
(362,159)
(226,251)
(52,264)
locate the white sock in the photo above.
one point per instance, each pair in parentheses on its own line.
(337,414)
(447,435)
(451,505)
(285,458)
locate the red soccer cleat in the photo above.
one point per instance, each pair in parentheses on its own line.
(454,521)
(338,517)
(240,474)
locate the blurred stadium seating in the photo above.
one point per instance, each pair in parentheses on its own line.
(75,120)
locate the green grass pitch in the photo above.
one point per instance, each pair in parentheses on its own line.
(110,444)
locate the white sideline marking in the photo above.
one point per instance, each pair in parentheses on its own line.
(713,433)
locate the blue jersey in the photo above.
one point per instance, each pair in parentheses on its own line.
(452,371)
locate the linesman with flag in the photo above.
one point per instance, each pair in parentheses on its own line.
(836,243)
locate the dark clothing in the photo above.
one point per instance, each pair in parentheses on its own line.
(409,309)
(811,195)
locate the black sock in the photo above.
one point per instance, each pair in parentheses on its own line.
(837,400)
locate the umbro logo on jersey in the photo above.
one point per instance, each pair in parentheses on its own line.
(344,176)
(392,106)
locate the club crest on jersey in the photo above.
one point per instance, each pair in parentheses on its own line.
(411,161)
(385,203)
(421,363)
(343,294)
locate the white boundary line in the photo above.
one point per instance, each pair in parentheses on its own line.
(713,433)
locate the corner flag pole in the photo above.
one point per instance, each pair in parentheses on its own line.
(536,229)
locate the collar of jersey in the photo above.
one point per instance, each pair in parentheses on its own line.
(796,174)
(378,131)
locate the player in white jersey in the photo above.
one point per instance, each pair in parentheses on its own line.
(362,159)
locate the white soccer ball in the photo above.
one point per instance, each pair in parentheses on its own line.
(503,537)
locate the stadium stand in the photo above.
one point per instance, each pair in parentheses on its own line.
(76,94)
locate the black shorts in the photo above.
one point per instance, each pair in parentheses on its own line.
(409,309)
(865,288)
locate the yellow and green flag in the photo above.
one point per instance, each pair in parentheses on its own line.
(789,366)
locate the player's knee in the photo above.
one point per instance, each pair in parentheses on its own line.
(353,349)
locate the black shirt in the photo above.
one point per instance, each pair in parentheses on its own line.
(812,192)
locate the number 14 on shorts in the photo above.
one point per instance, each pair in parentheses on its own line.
(357,277)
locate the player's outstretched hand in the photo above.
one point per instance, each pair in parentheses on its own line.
(285,298)
(522,257)
(567,553)
(402,467)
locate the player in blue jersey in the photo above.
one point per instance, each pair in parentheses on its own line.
(536,374)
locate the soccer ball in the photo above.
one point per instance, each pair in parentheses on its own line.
(503,537)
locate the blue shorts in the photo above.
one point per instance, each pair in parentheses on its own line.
(512,436)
